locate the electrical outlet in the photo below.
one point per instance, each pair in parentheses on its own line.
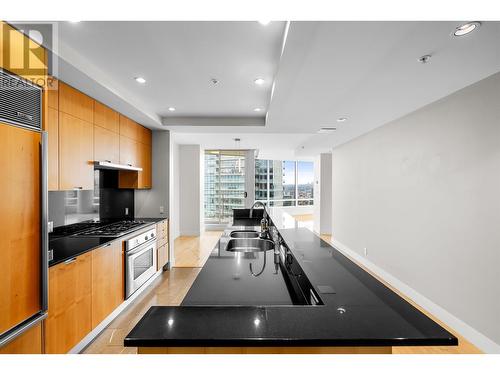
(366,251)
(162,210)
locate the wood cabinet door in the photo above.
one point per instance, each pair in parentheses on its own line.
(75,103)
(106,145)
(128,151)
(106,118)
(76,149)
(70,301)
(129,128)
(29,342)
(52,93)
(145,135)
(19,225)
(53,133)
(107,281)
(162,257)
(144,161)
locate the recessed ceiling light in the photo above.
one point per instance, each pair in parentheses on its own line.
(140,80)
(257,109)
(327,129)
(466,28)
(342,119)
(264,22)
(171,109)
(259,81)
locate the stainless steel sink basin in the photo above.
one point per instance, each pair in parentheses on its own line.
(244,234)
(249,245)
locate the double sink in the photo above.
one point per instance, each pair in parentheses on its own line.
(248,241)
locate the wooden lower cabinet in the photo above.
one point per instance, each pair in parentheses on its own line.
(70,304)
(162,259)
(30,342)
(162,243)
(107,280)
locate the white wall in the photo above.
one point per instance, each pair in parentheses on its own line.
(422,194)
(323,194)
(175,225)
(190,190)
(148,202)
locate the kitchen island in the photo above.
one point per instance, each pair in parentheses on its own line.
(306,297)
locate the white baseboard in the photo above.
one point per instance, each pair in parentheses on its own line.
(478,339)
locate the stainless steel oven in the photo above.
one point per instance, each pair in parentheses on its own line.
(140,260)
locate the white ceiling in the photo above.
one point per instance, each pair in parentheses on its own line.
(178,61)
(365,71)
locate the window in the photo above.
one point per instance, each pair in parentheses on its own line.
(284,183)
(224,184)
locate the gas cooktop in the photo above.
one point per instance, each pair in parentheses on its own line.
(117,229)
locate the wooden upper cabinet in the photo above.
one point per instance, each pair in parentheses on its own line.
(70,304)
(75,103)
(76,149)
(128,151)
(52,128)
(129,128)
(53,93)
(106,145)
(144,161)
(106,118)
(145,135)
(107,281)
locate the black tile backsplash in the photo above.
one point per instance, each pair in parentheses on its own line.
(105,202)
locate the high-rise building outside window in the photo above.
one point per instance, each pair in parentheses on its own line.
(284,183)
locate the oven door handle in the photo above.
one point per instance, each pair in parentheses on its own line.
(141,249)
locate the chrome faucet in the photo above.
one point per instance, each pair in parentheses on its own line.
(255,204)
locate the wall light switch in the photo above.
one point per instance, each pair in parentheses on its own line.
(366,251)
(162,210)
(126,211)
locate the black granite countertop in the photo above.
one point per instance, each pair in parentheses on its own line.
(68,247)
(226,306)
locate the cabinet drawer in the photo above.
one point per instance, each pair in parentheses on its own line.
(162,229)
(161,241)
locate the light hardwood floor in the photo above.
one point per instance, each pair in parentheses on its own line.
(173,285)
(193,251)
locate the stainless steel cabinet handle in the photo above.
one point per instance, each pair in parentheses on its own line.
(78,187)
(69,261)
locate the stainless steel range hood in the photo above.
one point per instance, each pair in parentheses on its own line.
(106,164)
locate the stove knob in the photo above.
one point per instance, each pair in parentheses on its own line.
(145,238)
(152,235)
